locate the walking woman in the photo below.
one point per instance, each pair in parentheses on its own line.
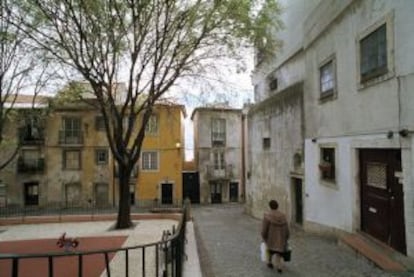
(275,233)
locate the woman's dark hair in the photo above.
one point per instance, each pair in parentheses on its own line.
(273,204)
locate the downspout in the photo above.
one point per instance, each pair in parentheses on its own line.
(243,158)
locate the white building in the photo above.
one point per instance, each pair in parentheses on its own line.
(355,60)
(218,153)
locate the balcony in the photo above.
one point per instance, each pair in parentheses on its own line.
(70,137)
(30,136)
(30,165)
(225,173)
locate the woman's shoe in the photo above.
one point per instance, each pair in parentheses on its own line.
(270,265)
(279,270)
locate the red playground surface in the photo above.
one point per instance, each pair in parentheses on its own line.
(93,265)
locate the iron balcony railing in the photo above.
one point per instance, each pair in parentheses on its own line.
(25,165)
(163,258)
(70,137)
(220,172)
(27,136)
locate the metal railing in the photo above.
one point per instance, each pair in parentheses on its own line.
(87,207)
(160,259)
(30,165)
(225,172)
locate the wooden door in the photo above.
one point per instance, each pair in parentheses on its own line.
(382,199)
(298,200)
(234,192)
(166,193)
(215,191)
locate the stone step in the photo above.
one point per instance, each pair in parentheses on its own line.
(376,253)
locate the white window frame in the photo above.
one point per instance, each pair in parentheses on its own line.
(147,165)
(330,93)
(218,131)
(219,160)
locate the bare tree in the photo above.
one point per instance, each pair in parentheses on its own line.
(149,44)
(21,69)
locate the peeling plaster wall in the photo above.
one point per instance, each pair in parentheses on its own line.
(279,118)
(204,151)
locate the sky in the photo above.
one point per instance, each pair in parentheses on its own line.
(230,83)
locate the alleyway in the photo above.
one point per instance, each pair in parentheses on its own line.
(228,242)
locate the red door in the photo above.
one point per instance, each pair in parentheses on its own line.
(382,207)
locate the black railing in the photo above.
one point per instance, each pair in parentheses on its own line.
(163,258)
(30,165)
(88,208)
(28,136)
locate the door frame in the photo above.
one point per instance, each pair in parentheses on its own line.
(396,240)
(172,192)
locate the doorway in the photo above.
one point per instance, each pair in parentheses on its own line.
(215,192)
(191,187)
(382,197)
(298,200)
(101,194)
(234,192)
(166,193)
(31,193)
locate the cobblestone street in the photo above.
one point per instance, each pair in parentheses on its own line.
(228,242)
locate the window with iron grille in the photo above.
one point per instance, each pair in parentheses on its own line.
(71,159)
(149,160)
(218,132)
(327,79)
(373,54)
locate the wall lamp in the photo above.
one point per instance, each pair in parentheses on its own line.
(177,145)
(404,132)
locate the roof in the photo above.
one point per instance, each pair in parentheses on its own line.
(22,101)
(214,109)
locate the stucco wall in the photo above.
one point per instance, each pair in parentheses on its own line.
(279,118)
(204,151)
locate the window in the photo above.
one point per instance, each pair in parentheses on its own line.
(327,164)
(101,156)
(327,79)
(218,131)
(132,194)
(72,159)
(71,132)
(219,162)
(152,125)
(150,160)
(273,83)
(373,54)
(266,143)
(99,123)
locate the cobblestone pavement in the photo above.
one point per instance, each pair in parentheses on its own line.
(228,241)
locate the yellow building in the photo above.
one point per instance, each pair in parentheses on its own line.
(65,160)
(162,156)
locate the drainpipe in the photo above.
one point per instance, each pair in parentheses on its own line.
(243,158)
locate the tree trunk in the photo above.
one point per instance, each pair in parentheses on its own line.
(124,209)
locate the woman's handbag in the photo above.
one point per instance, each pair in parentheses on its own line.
(264,254)
(287,255)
